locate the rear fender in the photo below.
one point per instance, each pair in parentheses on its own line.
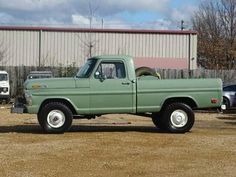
(182,99)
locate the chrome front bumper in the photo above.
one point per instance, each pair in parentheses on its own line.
(19,106)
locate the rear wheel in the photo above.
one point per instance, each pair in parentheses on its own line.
(178,118)
(55,117)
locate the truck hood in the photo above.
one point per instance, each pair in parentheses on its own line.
(52,83)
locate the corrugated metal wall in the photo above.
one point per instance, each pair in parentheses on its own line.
(31,47)
(19,47)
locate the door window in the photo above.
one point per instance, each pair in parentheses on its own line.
(111,70)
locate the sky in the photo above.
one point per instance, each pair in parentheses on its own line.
(130,14)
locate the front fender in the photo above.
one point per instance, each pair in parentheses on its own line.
(69,103)
(38,103)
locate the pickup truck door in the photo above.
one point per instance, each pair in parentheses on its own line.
(110,89)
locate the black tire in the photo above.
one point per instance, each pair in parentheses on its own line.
(158,121)
(55,117)
(146,71)
(226,102)
(178,118)
(40,121)
(8,100)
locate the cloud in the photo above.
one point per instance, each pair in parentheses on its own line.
(110,11)
(115,6)
(76,12)
(184,13)
(105,7)
(78,19)
(30,5)
(6,18)
(82,21)
(33,12)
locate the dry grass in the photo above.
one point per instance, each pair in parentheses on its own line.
(117,145)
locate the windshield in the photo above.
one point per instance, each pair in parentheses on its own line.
(87,69)
(3,77)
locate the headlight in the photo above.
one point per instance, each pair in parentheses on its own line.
(28,98)
(5,89)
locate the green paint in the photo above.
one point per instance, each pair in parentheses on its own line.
(94,95)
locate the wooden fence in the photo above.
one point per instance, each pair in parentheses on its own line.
(18,74)
(227,76)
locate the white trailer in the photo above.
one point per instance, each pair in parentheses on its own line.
(4,86)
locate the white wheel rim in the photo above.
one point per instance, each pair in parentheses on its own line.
(56,118)
(179,118)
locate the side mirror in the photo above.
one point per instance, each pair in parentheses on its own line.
(99,76)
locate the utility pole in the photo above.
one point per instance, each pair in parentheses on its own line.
(40,47)
(182,25)
(102,23)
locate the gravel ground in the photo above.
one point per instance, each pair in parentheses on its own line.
(117,145)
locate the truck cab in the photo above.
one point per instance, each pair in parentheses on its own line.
(4,86)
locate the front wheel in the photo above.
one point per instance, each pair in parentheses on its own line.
(55,117)
(178,118)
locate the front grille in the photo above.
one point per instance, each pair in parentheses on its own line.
(2,89)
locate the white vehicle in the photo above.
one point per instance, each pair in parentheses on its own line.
(4,86)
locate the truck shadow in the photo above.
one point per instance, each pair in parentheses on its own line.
(33,129)
(36,129)
(229,119)
(107,128)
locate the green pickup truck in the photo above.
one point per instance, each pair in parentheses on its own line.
(108,85)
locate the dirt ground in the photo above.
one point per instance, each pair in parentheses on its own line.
(117,145)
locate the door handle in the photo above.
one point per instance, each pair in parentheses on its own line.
(125,83)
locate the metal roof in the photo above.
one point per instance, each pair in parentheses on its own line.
(66,29)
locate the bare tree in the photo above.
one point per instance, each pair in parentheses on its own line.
(215,22)
(3,54)
(47,60)
(89,42)
(227,12)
